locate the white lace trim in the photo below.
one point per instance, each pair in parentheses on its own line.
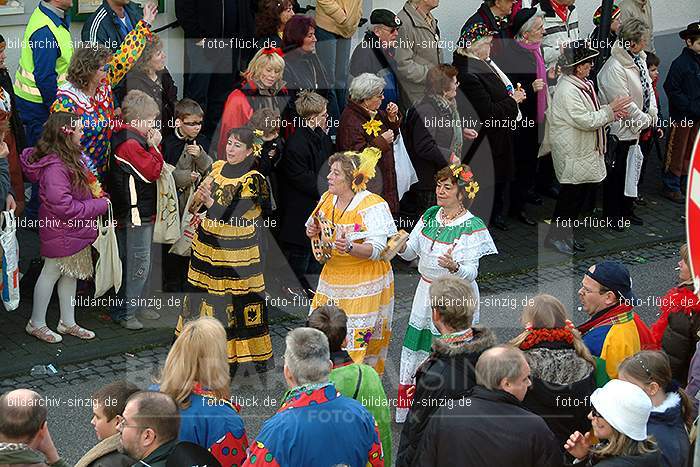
(355,291)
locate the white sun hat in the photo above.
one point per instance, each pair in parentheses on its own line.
(625,407)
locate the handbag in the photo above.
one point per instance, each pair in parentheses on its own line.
(405,173)
(635,158)
(10,260)
(108,270)
(189,223)
(167,225)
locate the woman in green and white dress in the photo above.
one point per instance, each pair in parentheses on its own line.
(448,239)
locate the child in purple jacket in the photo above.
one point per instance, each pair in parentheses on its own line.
(71,201)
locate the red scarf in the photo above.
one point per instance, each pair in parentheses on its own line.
(537,336)
(611,313)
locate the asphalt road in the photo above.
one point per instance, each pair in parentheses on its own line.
(502,300)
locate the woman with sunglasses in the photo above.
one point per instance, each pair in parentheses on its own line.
(671,416)
(448,239)
(92,73)
(619,429)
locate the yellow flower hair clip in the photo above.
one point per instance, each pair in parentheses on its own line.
(472,189)
(259,133)
(257,149)
(373,127)
(367,168)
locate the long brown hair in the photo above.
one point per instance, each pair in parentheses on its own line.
(620,444)
(547,312)
(651,366)
(55,139)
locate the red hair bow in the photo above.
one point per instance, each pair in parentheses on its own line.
(272,50)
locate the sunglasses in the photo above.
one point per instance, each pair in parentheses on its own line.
(199,123)
(595,413)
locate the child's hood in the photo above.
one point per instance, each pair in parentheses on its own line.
(32,170)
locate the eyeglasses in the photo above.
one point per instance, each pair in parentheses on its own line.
(586,290)
(199,123)
(122,424)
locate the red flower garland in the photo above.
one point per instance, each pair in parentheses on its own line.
(547,335)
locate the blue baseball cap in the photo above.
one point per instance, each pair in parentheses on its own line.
(614,276)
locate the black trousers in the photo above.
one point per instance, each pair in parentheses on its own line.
(615,204)
(525,168)
(572,199)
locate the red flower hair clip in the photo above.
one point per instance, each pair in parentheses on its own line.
(272,50)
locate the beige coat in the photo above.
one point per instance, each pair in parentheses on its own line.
(640,9)
(187,164)
(620,77)
(570,133)
(340,17)
(417,51)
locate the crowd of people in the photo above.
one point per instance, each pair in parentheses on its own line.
(332,153)
(609,391)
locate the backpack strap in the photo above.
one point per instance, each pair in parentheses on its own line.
(359,382)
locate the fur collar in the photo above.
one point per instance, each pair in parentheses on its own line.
(483,339)
(101,449)
(673,399)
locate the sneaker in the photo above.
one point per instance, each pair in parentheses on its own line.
(147,313)
(43,333)
(132,324)
(76,331)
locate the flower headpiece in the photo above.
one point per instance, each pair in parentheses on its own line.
(257,142)
(366,170)
(473,32)
(272,50)
(465,180)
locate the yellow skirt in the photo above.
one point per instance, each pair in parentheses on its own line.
(364,290)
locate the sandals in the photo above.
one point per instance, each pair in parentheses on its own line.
(76,331)
(43,333)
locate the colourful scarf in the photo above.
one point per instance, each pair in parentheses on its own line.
(536,51)
(587,89)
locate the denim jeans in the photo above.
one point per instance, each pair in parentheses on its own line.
(135,243)
(334,53)
(674,182)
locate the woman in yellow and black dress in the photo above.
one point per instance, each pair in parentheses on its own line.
(225,266)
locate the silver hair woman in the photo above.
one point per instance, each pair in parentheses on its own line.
(626,74)
(364,123)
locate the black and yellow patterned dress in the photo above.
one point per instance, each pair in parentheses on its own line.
(225,269)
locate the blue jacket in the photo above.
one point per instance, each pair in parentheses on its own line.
(104,26)
(666,425)
(316,426)
(45,51)
(682,86)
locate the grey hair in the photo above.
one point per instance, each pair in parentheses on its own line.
(501,361)
(307,355)
(634,30)
(529,24)
(365,86)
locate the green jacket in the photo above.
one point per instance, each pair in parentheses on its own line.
(361,382)
(159,457)
(17,453)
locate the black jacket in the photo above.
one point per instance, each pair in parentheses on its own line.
(305,71)
(488,428)
(16,126)
(652,459)
(163,91)
(447,374)
(370,57)
(482,96)
(216,18)
(562,383)
(428,138)
(682,86)
(103,25)
(118,181)
(301,176)
(502,28)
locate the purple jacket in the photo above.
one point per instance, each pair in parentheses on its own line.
(694,380)
(67,217)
